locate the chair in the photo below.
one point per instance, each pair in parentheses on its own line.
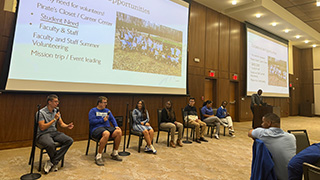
(42,148)
(133,132)
(210,126)
(192,127)
(119,120)
(160,129)
(302,139)
(311,172)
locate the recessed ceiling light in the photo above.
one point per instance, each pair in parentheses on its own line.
(314,45)
(258,15)
(286,30)
(306,41)
(234,2)
(274,24)
(318,3)
(297,36)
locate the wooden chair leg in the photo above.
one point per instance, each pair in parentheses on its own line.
(88,145)
(158,136)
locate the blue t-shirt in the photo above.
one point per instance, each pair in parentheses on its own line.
(96,119)
(221,112)
(207,111)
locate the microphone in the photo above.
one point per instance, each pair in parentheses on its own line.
(57,108)
(108,113)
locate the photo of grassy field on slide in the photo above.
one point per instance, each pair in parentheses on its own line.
(144,46)
(277,72)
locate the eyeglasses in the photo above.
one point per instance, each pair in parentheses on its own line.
(56,101)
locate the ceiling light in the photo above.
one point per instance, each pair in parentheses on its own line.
(306,41)
(274,24)
(318,2)
(297,36)
(234,2)
(286,30)
(314,45)
(258,15)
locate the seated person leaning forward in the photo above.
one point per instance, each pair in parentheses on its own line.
(99,120)
(209,117)
(168,121)
(47,133)
(193,120)
(141,123)
(281,145)
(225,117)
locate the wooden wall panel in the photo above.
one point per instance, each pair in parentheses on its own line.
(224,43)
(235,44)
(196,87)
(197,34)
(212,40)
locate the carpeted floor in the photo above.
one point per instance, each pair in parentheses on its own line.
(227,158)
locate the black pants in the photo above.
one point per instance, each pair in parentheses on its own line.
(47,140)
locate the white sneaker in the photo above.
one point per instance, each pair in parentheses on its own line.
(231,135)
(216,136)
(47,166)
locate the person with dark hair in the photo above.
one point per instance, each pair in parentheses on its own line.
(281,144)
(225,117)
(168,121)
(141,123)
(193,120)
(47,133)
(99,121)
(209,118)
(256,100)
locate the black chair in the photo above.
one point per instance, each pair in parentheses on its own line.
(133,132)
(161,129)
(192,127)
(311,172)
(302,140)
(119,120)
(42,148)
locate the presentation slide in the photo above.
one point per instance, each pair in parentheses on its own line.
(118,46)
(267,65)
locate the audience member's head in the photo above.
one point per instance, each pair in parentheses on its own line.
(207,103)
(270,120)
(192,101)
(260,92)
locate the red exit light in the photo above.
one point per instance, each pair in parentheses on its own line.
(235,77)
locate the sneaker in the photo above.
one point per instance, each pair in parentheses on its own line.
(216,136)
(99,162)
(47,167)
(179,143)
(54,168)
(198,141)
(232,131)
(202,139)
(172,144)
(231,135)
(116,157)
(147,149)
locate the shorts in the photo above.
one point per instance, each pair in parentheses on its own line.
(97,133)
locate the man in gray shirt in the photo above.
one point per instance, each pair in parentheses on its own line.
(47,133)
(281,145)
